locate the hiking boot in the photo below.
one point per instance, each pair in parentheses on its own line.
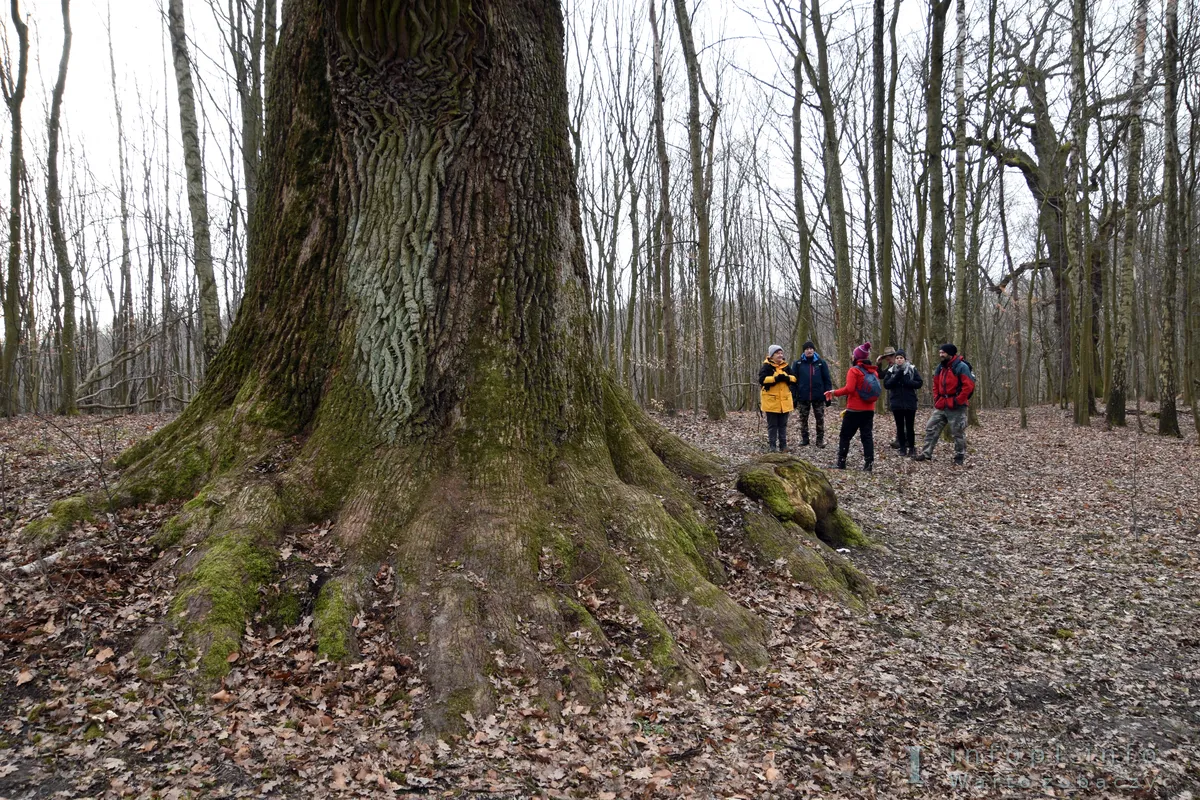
(772,449)
(820,444)
(895,445)
(959,458)
(783,449)
(804,442)
(868,467)
(921,457)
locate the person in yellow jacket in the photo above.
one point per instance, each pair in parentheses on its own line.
(776,397)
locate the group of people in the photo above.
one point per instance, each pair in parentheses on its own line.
(806,386)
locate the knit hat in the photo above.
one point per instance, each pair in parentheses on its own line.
(809,344)
(862,352)
(949,349)
(900,352)
(773,349)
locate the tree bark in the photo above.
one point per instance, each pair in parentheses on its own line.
(210,311)
(415,360)
(714,402)
(939,318)
(1115,412)
(960,181)
(1168,415)
(14,97)
(67,366)
(806,322)
(666,305)
(1078,218)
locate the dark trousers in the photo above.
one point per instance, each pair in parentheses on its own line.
(906,434)
(777,429)
(863,423)
(818,410)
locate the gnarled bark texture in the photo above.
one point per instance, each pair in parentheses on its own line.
(413,360)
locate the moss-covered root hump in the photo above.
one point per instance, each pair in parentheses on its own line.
(801,523)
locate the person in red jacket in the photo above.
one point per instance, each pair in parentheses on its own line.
(952,388)
(861,390)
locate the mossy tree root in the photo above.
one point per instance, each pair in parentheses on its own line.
(496,562)
(801,524)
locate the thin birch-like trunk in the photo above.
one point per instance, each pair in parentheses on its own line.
(67,359)
(1168,415)
(714,402)
(14,96)
(210,311)
(1115,413)
(666,304)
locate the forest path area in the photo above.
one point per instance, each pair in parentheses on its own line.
(1039,609)
(1037,633)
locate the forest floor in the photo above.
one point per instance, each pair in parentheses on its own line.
(1037,633)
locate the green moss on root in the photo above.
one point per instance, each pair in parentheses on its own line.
(839,530)
(176,476)
(761,483)
(63,516)
(219,595)
(332,619)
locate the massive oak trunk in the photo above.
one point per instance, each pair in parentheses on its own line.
(413,360)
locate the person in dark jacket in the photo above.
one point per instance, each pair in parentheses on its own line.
(860,407)
(775,399)
(812,381)
(902,380)
(952,387)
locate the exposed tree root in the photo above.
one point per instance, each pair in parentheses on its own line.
(489,561)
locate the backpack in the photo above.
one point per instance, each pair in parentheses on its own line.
(868,388)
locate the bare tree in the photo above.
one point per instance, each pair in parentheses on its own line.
(666,227)
(14,96)
(1115,411)
(1168,416)
(210,311)
(67,367)
(714,402)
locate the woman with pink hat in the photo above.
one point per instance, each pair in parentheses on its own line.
(861,390)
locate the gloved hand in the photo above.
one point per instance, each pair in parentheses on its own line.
(828,403)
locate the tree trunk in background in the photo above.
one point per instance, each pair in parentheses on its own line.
(67,401)
(806,321)
(670,385)
(834,190)
(939,319)
(1168,417)
(714,402)
(1078,218)
(210,311)
(14,96)
(1115,413)
(884,149)
(1015,308)
(246,42)
(960,183)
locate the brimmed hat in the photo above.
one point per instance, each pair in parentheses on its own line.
(888,351)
